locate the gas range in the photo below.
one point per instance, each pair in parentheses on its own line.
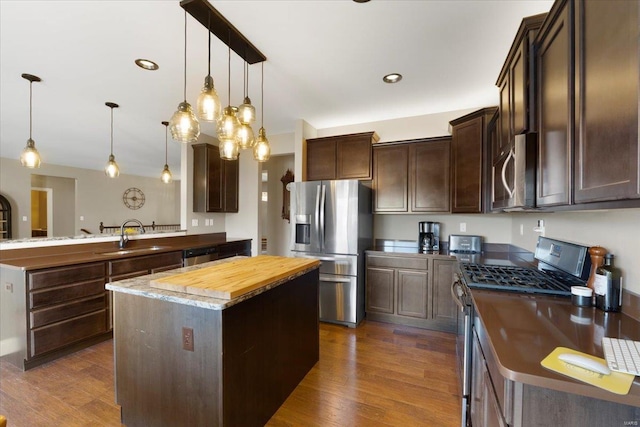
(518,279)
(560,266)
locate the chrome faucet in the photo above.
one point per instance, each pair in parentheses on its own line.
(124,239)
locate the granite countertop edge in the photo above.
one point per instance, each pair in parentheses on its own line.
(139,286)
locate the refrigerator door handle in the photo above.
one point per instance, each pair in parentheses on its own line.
(324,278)
(323,198)
(316,229)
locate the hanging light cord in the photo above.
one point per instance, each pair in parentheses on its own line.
(30,106)
(209,28)
(245,79)
(229,70)
(165,145)
(262,97)
(111,131)
(185,55)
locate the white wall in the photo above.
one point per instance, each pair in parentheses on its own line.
(98,198)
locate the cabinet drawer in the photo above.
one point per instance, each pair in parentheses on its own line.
(67,332)
(143,264)
(413,263)
(65,275)
(57,313)
(65,293)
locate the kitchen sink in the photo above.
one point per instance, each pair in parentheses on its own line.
(132,251)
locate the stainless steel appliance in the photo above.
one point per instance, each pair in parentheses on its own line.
(429,236)
(199,256)
(560,266)
(331,221)
(516,172)
(462,297)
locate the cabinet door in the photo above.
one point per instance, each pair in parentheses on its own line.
(321,160)
(215,181)
(518,72)
(492,413)
(353,157)
(390,178)
(429,172)
(478,370)
(379,286)
(466,164)
(607,143)
(413,293)
(505,133)
(555,96)
(444,308)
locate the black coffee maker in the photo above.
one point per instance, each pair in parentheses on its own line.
(429,236)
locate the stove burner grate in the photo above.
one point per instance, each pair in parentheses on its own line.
(519,279)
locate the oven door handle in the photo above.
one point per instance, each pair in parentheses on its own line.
(454,294)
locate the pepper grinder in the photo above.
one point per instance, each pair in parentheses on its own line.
(597,254)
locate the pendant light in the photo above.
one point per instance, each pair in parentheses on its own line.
(30,157)
(208,103)
(246,116)
(184,125)
(262,149)
(228,125)
(111,169)
(166,176)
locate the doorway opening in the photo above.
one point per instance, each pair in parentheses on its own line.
(41,212)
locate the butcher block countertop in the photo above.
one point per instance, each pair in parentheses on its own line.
(218,284)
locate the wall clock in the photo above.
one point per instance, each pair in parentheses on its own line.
(133,198)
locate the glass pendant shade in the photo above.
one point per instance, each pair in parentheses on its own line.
(228,149)
(262,149)
(228,125)
(166,176)
(208,104)
(246,138)
(30,157)
(111,169)
(184,125)
(246,112)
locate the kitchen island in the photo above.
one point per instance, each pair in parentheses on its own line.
(186,359)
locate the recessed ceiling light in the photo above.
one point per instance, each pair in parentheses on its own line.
(361,1)
(392,78)
(147,64)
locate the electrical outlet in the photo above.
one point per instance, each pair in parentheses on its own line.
(187,339)
(522,229)
(194,222)
(24,218)
(81,217)
(463,227)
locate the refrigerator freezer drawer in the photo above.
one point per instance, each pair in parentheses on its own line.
(338,298)
(344,265)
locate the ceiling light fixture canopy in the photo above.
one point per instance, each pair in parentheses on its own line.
(262,148)
(30,158)
(166,176)
(111,169)
(146,64)
(392,78)
(208,103)
(184,125)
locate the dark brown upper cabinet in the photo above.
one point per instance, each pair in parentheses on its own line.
(412,176)
(606,101)
(215,181)
(469,155)
(555,106)
(340,157)
(517,86)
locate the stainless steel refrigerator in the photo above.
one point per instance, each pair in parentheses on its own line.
(331,221)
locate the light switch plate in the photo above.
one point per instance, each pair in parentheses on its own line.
(194,222)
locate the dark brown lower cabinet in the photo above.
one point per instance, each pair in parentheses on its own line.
(66,307)
(139,266)
(410,290)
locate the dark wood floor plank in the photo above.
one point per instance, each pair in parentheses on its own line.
(375,375)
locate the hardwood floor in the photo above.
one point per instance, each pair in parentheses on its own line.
(376,374)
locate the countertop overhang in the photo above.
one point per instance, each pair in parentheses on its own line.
(140,286)
(523,329)
(61,255)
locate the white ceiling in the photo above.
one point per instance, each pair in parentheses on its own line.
(325,62)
